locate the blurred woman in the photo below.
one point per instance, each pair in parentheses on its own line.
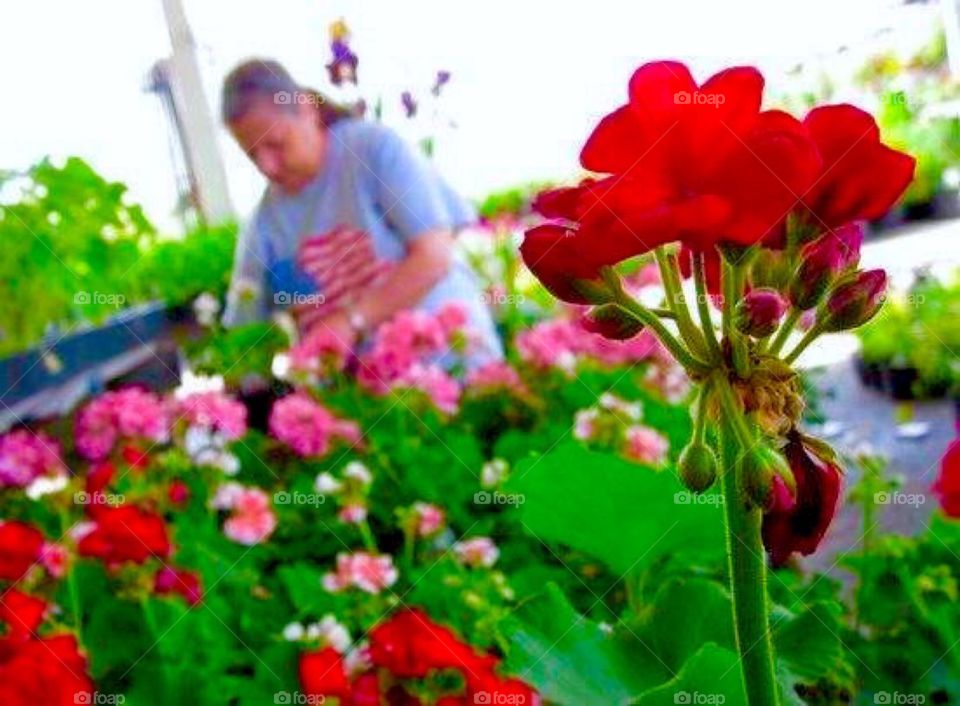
(354,224)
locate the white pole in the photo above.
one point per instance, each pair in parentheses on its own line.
(198,134)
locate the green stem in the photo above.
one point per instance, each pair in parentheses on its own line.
(671,283)
(700,420)
(676,348)
(748,581)
(732,289)
(367,536)
(703,306)
(809,338)
(784,333)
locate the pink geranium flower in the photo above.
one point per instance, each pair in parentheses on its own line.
(215,411)
(251,519)
(430,519)
(477,552)
(369,572)
(307,427)
(645,445)
(131,413)
(26,455)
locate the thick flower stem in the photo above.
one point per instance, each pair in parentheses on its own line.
(748,581)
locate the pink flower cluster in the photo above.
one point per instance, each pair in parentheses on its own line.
(430,519)
(368,572)
(308,427)
(319,352)
(406,349)
(27,455)
(252,519)
(562,343)
(497,375)
(479,552)
(215,411)
(130,413)
(645,445)
(432,381)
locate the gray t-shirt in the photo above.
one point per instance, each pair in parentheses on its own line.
(387,194)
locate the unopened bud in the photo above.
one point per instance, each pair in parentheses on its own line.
(820,262)
(758,314)
(698,467)
(611,321)
(760,467)
(855,300)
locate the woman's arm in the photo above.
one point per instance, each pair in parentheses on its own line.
(428,260)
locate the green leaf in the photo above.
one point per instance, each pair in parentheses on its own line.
(711,676)
(571,660)
(623,515)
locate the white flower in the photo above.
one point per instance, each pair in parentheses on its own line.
(493,473)
(205,308)
(44,485)
(293,632)
(358,472)
(326,484)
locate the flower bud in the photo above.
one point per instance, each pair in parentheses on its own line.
(762,470)
(850,238)
(698,467)
(554,254)
(855,300)
(611,321)
(758,314)
(820,262)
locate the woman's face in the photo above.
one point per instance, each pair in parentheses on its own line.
(287,147)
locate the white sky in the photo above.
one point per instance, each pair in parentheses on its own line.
(530,77)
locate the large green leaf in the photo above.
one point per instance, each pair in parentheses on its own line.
(572,660)
(711,676)
(624,515)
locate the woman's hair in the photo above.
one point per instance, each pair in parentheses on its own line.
(264,80)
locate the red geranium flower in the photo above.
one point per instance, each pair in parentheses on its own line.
(38,671)
(798,523)
(861,178)
(20,548)
(126,533)
(947,487)
(322,674)
(168,581)
(410,644)
(700,164)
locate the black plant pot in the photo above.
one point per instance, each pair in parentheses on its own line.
(259,402)
(871,374)
(900,382)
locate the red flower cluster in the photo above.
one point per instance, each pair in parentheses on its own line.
(947,487)
(20,548)
(38,670)
(411,646)
(703,165)
(125,534)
